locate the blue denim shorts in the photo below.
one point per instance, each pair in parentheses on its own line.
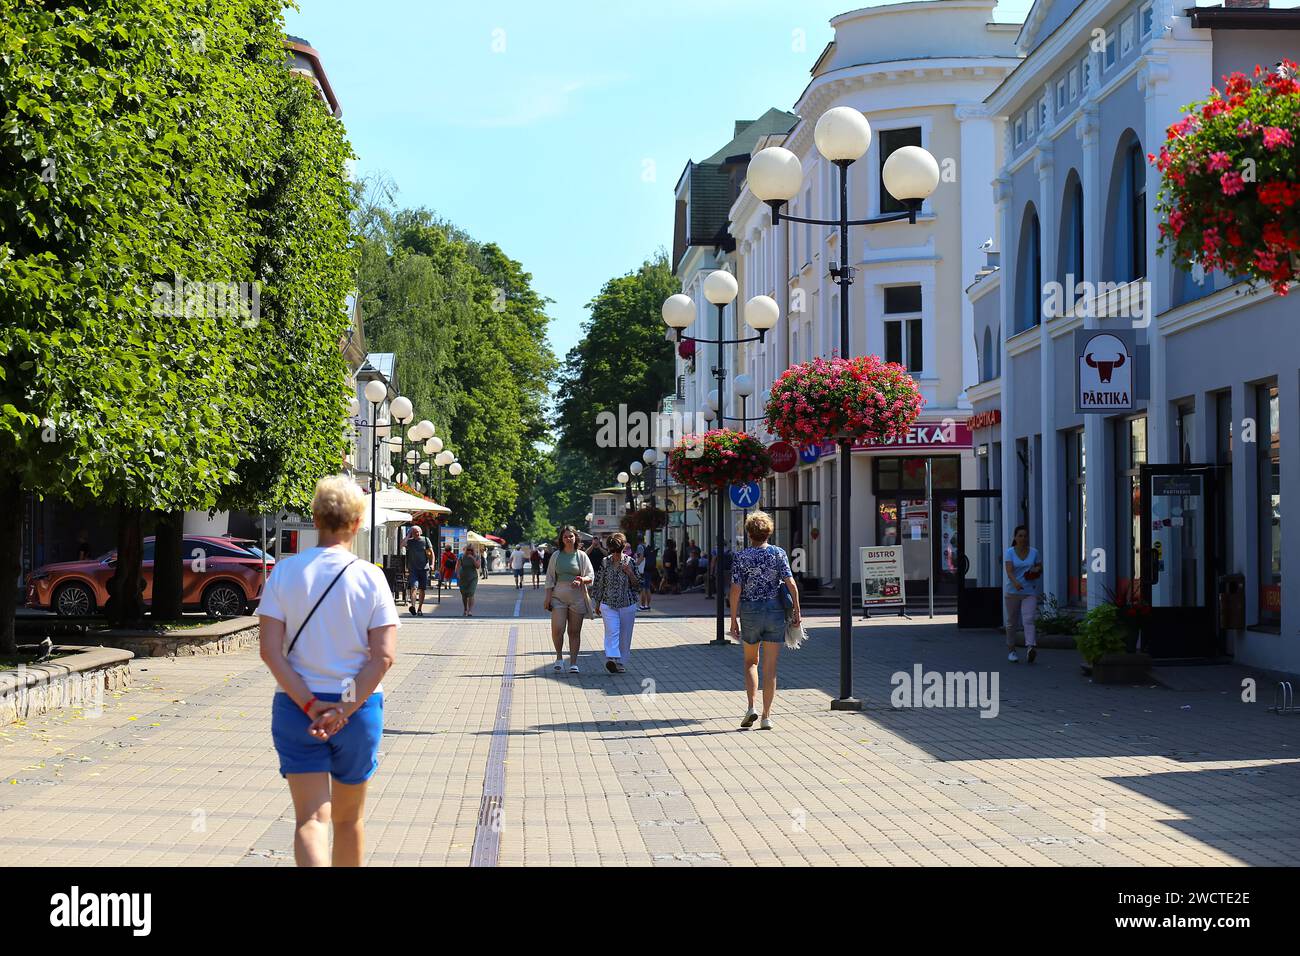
(350,756)
(418,579)
(762,621)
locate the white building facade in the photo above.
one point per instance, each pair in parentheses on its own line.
(919,72)
(1178,498)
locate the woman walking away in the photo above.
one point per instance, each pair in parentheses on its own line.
(467,574)
(535,558)
(1020,591)
(614,592)
(757,574)
(328,635)
(567,577)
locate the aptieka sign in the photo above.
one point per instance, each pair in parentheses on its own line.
(946,435)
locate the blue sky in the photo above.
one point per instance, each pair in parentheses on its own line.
(559,130)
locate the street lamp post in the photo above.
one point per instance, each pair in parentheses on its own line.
(376,391)
(761,314)
(910,174)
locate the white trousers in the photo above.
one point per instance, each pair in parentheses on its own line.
(618,630)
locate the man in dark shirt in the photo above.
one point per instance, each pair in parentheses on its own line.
(419,555)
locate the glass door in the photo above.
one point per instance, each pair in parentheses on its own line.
(1177,579)
(977,552)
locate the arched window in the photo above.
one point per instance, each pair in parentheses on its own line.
(1069,256)
(1029,272)
(987,370)
(1126,213)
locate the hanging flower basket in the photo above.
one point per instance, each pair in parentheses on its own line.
(643,519)
(723,456)
(857,399)
(686,349)
(1230,195)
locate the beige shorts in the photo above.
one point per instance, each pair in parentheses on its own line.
(567,596)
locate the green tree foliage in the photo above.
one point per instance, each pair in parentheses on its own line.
(622,359)
(142,143)
(469,333)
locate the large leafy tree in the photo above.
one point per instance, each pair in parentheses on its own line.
(622,359)
(469,333)
(140,144)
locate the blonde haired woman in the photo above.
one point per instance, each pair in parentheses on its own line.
(328,634)
(567,577)
(757,574)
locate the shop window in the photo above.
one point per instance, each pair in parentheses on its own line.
(890,140)
(1270,506)
(1131,453)
(1223,481)
(1076,517)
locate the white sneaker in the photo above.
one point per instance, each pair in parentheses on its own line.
(1012,657)
(765,724)
(559,664)
(747,721)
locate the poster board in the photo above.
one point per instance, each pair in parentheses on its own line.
(882,576)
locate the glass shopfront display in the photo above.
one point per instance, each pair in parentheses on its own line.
(927,530)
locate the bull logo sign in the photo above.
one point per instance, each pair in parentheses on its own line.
(1105,376)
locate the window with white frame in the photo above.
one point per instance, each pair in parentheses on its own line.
(1029,123)
(891,140)
(1042,113)
(1110,56)
(807,227)
(904,327)
(1126,36)
(1074,83)
(1020,131)
(1060,95)
(1085,68)
(1147,19)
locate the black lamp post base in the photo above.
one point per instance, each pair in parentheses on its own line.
(720,642)
(846,703)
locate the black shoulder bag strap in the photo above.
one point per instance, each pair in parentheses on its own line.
(298,633)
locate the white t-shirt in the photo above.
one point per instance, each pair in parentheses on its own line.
(335,644)
(517,559)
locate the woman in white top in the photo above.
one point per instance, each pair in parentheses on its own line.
(1020,590)
(328,634)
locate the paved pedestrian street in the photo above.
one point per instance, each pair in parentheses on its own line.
(490,756)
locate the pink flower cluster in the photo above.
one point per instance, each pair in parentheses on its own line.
(719,457)
(1231,168)
(861,398)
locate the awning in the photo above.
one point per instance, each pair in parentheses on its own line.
(399,500)
(473,537)
(492,537)
(385,516)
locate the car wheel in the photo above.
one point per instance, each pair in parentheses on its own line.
(223,599)
(73,599)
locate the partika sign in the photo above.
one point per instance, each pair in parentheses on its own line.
(1110,371)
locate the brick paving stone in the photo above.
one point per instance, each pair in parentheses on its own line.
(648,768)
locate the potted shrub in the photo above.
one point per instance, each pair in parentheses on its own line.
(1056,626)
(859,399)
(1230,193)
(720,457)
(1103,641)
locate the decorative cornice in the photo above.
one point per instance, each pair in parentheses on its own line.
(1001,189)
(1153,72)
(971,111)
(1088,126)
(1043,158)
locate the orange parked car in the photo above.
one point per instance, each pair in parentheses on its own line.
(223,578)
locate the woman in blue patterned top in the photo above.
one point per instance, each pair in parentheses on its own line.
(757,574)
